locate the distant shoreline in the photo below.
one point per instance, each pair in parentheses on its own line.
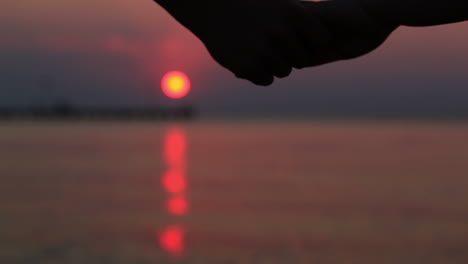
(67,113)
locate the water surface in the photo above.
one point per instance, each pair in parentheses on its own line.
(233,192)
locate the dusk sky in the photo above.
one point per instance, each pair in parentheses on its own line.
(115,52)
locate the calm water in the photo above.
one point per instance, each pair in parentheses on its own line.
(233,192)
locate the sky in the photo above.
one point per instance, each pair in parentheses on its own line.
(115,52)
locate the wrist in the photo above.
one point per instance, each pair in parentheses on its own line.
(172,6)
(379,11)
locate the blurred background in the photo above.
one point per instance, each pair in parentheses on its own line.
(361,161)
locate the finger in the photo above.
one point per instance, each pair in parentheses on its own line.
(290,49)
(248,68)
(262,80)
(277,63)
(279,68)
(298,51)
(257,76)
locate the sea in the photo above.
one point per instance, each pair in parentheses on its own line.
(238,191)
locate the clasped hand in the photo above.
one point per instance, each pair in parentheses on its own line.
(259,40)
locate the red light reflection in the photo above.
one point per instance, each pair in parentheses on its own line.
(172,240)
(175,184)
(175,146)
(177,206)
(174,181)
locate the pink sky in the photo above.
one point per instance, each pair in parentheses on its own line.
(143,33)
(140,27)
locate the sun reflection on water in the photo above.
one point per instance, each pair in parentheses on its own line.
(171,240)
(174,182)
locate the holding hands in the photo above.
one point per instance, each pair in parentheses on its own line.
(258,40)
(254,39)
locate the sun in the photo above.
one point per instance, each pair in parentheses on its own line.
(175,84)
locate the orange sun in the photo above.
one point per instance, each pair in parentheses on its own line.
(175,84)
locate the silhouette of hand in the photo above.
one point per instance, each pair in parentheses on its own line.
(353,32)
(255,39)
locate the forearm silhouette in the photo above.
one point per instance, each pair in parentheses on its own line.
(358,27)
(417,12)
